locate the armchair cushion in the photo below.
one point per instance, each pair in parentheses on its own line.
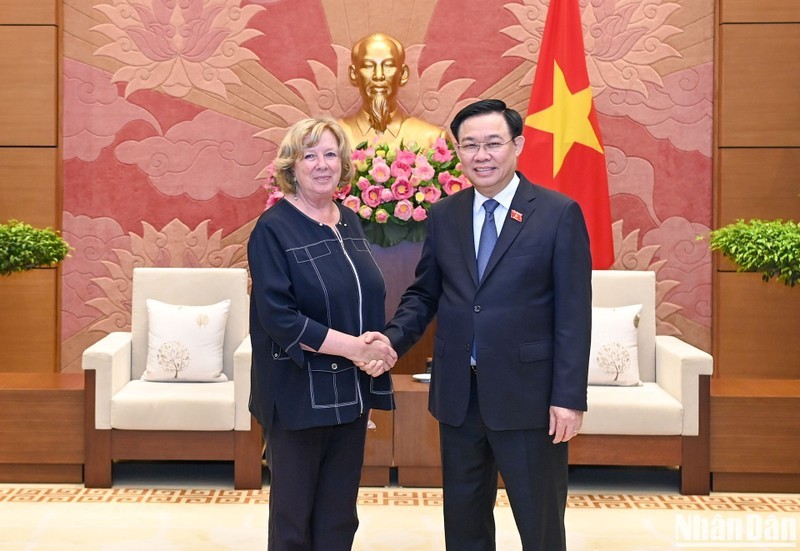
(645,409)
(185,342)
(614,354)
(144,405)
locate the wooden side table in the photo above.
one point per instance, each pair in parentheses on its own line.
(379,449)
(754,443)
(41,427)
(416,435)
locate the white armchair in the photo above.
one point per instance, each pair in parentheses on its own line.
(665,420)
(129,418)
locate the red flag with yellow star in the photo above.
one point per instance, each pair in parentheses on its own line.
(563,147)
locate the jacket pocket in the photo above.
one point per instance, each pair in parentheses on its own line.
(381,385)
(277,352)
(536,351)
(333,382)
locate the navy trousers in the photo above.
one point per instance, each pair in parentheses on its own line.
(535,472)
(313,490)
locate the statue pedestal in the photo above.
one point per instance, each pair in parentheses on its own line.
(398,264)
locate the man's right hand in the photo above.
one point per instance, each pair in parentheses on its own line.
(379,355)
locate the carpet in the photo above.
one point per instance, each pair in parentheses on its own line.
(67,518)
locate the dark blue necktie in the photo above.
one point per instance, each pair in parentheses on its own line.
(485,247)
(488,236)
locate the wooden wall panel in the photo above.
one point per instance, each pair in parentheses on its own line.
(754,426)
(759,183)
(758,84)
(27,193)
(759,11)
(28,95)
(28,12)
(29,321)
(757,328)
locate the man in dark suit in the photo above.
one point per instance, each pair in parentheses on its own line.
(506,268)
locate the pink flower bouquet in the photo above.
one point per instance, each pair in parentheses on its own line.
(392,189)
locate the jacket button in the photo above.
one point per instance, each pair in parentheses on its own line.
(476,308)
(334,366)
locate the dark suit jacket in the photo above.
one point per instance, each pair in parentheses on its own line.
(306,281)
(531,313)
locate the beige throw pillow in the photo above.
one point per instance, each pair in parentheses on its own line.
(614,356)
(185,342)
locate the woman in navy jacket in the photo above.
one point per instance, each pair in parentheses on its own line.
(316,292)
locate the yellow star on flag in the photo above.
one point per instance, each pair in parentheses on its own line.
(567,119)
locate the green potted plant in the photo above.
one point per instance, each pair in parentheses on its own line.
(23,247)
(770,247)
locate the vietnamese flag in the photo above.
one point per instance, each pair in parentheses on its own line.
(563,147)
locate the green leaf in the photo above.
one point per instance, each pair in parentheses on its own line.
(23,247)
(392,233)
(771,248)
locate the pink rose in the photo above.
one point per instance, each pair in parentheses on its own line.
(444,177)
(403,209)
(352,202)
(269,173)
(380,171)
(386,195)
(273,198)
(419,214)
(400,170)
(372,196)
(456,184)
(365,212)
(401,189)
(424,171)
(381,216)
(441,153)
(432,193)
(363,183)
(342,192)
(358,155)
(406,157)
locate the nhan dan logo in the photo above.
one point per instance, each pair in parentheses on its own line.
(751,531)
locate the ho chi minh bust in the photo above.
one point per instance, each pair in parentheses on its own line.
(378,69)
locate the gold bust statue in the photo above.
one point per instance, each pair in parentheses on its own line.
(378,69)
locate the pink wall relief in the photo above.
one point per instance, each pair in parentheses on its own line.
(173,110)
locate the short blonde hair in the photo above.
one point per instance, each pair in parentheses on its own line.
(304,134)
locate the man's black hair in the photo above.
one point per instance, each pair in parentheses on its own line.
(484,107)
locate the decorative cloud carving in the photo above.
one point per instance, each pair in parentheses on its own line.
(200,158)
(94,111)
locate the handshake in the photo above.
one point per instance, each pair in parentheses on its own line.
(373,353)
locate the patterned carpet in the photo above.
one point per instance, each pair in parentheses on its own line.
(189,507)
(782,503)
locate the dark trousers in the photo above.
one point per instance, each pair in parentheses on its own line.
(313,490)
(535,472)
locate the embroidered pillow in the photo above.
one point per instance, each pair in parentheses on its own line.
(614,356)
(184,343)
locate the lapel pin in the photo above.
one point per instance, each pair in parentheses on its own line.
(516,215)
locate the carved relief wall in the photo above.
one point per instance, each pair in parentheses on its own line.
(172,108)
